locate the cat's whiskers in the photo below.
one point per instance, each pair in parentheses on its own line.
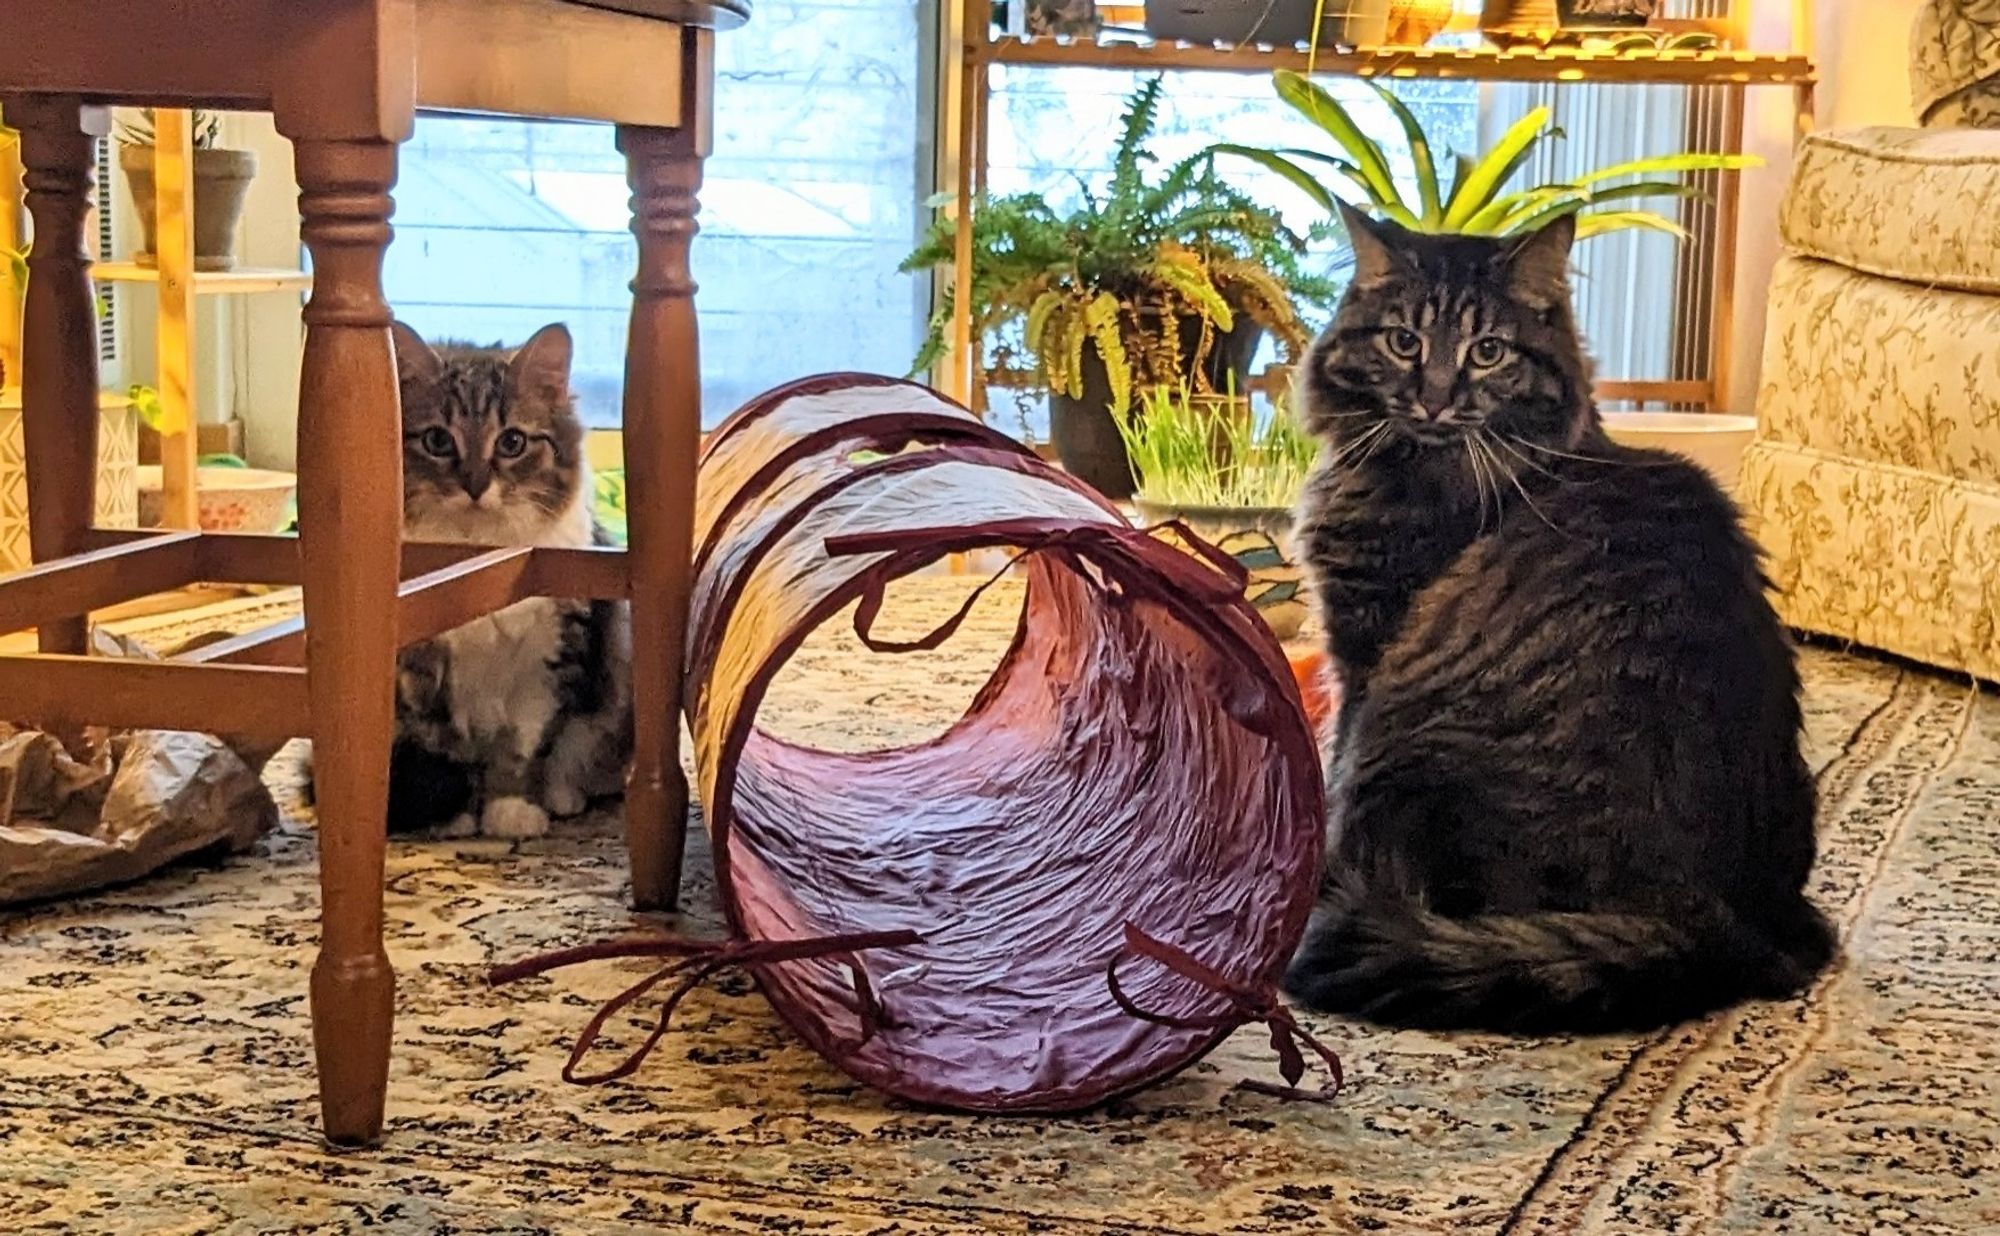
(1506,445)
(1518,487)
(1374,445)
(1589,459)
(1367,438)
(1479,482)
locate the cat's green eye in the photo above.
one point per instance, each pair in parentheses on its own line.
(512,444)
(438,442)
(1404,343)
(1489,352)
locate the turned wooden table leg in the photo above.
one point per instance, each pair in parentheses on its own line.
(59,344)
(662,438)
(350,524)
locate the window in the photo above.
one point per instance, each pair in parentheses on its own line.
(817,186)
(811,198)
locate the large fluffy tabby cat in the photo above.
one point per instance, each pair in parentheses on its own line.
(524,714)
(1566,788)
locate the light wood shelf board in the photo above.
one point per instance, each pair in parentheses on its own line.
(241,281)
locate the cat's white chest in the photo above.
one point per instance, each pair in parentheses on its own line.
(462,521)
(500,669)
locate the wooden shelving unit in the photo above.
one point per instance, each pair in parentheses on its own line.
(1487,64)
(1734,63)
(176,285)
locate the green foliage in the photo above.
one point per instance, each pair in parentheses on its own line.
(1189,449)
(1475,203)
(146,402)
(206,127)
(608,502)
(1120,271)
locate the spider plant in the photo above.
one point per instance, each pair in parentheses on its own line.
(1207,451)
(1475,201)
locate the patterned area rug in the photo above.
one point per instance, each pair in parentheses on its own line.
(158,1068)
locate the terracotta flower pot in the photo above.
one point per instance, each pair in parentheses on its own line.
(1413,23)
(221,184)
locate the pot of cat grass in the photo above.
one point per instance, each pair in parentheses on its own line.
(1232,474)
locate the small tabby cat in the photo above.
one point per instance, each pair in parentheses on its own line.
(526,713)
(1566,788)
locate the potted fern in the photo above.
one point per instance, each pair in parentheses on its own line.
(221,185)
(1475,201)
(1156,279)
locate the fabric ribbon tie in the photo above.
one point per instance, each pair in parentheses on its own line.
(1247,1003)
(1207,573)
(694,962)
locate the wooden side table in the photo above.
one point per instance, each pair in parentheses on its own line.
(344,79)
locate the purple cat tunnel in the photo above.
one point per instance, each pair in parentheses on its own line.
(1084,884)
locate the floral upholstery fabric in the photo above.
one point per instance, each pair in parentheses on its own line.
(1874,483)
(1914,204)
(1882,371)
(1885,556)
(1955,63)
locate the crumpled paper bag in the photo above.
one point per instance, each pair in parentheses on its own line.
(130,803)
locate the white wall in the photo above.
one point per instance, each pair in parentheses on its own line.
(1862,47)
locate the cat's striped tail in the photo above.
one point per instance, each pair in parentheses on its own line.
(1385,958)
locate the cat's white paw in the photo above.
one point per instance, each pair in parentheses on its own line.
(564,801)
(465,824)
(514,819)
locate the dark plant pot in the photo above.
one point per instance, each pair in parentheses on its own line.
(221,183)
(1510,23)
(1075,19)
(1086,438)
(1605,14)
(1283,23)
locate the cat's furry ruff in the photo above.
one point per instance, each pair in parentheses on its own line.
(526,713)
(1566,792)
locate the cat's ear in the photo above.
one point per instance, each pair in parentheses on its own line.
(1375,243)
(415,360)
(541,365)
(1538,264)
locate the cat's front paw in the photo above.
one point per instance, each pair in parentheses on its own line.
(564,801)
(513,819)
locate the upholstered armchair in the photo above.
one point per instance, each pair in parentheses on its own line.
(1874,482)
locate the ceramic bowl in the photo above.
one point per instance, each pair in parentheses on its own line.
(1712,439)
(1260,539)
(251,500)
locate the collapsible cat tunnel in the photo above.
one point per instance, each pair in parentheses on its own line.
(1084,884)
